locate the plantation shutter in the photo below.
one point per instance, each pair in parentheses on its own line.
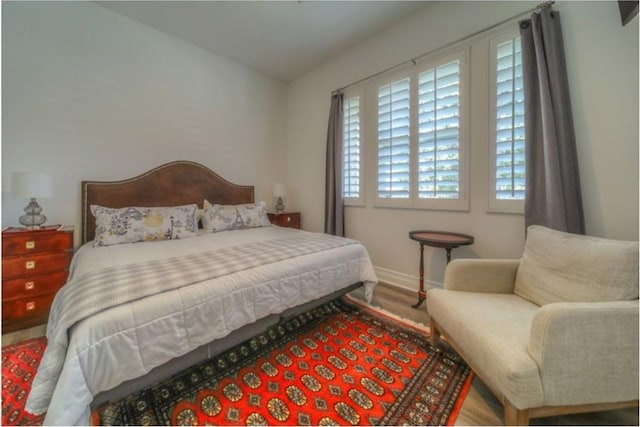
(439,132)
(351,152)
(510,164)
(394,140)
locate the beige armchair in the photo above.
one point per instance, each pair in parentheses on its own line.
(552,333)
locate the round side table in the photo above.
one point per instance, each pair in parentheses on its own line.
(436,239)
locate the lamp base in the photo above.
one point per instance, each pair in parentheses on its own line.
(279,205)
(33,217)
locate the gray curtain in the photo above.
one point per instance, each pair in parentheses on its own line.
(333,206)
(553,197)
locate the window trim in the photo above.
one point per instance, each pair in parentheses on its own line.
(357,201)
(413,201)
(494,204)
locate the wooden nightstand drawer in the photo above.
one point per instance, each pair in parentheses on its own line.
(24,244)
(33,285)
(34,265)
(23,307)
(286,219)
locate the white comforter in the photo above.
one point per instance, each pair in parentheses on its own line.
(127,341)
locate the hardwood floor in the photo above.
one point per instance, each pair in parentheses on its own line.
(23,334)
(480,406)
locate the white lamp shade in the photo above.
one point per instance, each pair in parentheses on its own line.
(31,185)
(278,190)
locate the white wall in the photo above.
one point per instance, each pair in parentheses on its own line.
(602,58)
(89,94)
(602,61)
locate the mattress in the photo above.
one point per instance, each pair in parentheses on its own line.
(127,340)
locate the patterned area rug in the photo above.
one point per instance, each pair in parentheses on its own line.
(19,364)
(340,364)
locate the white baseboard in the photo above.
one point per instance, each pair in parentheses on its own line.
(404,281)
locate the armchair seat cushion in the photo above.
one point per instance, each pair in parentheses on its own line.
(492,332)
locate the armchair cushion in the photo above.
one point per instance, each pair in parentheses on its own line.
(564,267)
(492,330)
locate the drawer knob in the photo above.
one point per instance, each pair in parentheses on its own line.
(29,285)
(30,244)
(31,305)
(30,265)
(288,219)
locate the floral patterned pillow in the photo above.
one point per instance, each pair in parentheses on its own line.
(136,224)
(254,215)
(220,218)
(234,217)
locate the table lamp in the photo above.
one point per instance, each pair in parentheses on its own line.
(279,194)
(32,185)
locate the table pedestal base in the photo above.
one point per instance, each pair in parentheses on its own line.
(437,239)
(422,296)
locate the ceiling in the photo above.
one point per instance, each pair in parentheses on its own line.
(284,39)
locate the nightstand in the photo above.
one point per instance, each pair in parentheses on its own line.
(286,219)
(35,264)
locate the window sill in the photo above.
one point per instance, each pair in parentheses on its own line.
(505,211)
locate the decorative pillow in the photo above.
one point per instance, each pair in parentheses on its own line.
(220,218)
(234,217)
(136,224)
(563,267)
(254,215)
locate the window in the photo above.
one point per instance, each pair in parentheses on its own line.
(393,140)
(439,132)
(413,128)
(352,190)
(507,128)
(421,144)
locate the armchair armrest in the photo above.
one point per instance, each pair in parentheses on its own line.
(586,352)
(481,275)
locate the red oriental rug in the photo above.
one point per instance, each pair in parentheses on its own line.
(19,365)
(340,364)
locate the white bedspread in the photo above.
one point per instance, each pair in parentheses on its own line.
(128,340)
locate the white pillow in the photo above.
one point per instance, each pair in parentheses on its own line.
(220,218)
(136,224)
(254,215)
(234,217)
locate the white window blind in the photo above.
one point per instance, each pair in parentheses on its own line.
(420,134)
(351,148)
(394,131)
(439,132)
(509,122)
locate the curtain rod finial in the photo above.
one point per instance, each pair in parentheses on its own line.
(545,4)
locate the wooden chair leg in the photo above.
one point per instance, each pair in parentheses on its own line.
(514,416)
(435,332)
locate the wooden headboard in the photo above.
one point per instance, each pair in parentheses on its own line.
(172,184)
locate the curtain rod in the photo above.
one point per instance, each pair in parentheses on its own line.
(470,36)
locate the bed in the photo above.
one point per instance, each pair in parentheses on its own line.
(134,313)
